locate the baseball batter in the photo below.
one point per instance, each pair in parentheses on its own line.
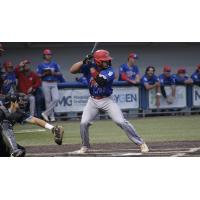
(49,72)
(100,76)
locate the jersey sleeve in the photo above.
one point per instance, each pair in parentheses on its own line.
(39,70)
(144,80)
(137,71)
(108,74)
(85,69)
(57,67)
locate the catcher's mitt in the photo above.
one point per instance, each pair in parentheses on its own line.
(58,132)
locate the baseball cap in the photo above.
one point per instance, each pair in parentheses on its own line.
(181,70)
(133,55)
(7,63)
(198,66)
(167,69)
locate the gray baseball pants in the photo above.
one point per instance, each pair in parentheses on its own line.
(51,95)
(112,109)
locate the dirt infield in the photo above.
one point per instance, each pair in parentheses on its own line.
(158,149)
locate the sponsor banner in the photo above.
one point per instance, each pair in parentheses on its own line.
(196,96)
(74,100)
(179,101)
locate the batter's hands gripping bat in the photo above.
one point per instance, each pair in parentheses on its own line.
(89,57)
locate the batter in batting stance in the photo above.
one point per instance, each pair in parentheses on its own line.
(100,76)
(12,112)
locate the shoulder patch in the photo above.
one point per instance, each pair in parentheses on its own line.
(110,73)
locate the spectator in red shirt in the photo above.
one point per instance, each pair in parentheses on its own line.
(29,83)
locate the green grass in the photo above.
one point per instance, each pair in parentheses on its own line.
(151,129)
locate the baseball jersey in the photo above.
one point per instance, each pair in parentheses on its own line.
(196,77)
(150,80)
(166,80)
(94,88)
(48,66)
(27,81)
(179,79)
(130,72)
(9,81)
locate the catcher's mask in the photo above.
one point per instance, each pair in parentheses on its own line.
(20,98)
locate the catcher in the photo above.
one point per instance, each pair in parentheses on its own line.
(11,112)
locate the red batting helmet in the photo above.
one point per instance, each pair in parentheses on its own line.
(47,52)
(1,47)
(101,56)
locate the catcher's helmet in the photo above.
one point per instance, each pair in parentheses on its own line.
(20,98)
(101,56)
(47,52)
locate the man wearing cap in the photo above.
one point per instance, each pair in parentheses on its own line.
(29,83)
(151,81)
(166,79)
(49,72)
(9,78)
(181,77)
(129,72)
(196,75)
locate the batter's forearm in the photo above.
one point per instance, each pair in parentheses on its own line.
(75,68)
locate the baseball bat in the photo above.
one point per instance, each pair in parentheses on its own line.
(94,47)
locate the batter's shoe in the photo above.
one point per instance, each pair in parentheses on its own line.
(82,150)
(45,117)
(144,148)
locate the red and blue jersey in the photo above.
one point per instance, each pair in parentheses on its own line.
(166,80)
(94,88)
(53,66)
(128,72)
(196,77)
(149,80)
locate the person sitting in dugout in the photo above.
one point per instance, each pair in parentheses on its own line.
(13,112)
(150,81)
(196,76)
(167,79)
(181,77)
(130,72)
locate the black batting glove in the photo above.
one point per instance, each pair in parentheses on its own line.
(88,59)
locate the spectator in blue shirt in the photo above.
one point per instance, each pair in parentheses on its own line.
(167,79)
(181,77)
(151,81)
(130,72)
(9,78)
(196,76)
